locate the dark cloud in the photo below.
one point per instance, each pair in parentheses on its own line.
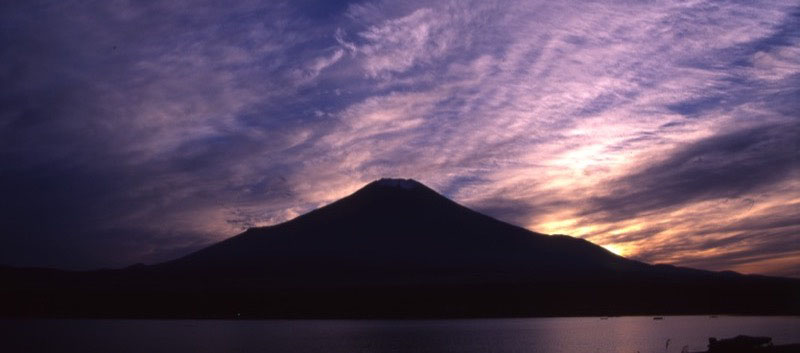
(695,107)
(727,165)
(737,250)
(113,117)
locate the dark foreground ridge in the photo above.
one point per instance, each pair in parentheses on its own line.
(394,248)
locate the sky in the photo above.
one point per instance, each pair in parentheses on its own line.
(139,131)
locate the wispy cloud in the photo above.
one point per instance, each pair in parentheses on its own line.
(668,130)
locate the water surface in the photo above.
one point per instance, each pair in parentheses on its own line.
(574,335)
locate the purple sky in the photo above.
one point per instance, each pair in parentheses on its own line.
(138,131)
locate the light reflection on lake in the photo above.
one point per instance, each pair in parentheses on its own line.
(574,335)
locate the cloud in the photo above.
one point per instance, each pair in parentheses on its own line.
(397,44)
(309,73)
(726,165)
(150,129)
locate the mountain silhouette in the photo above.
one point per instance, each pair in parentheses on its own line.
(398,229)
(394,248)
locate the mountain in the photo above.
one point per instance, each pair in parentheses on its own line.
(400,230)
(394,248)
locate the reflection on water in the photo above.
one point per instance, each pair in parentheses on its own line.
(616,334)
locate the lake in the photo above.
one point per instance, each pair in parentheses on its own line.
(574,335)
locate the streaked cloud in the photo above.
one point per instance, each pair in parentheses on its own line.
(665,130)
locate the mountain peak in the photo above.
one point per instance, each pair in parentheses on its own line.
(397,193)
(406,184)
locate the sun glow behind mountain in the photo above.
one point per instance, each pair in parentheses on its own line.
(618,249)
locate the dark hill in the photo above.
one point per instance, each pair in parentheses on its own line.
(394,248)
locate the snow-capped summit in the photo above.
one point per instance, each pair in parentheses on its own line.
(407,184)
